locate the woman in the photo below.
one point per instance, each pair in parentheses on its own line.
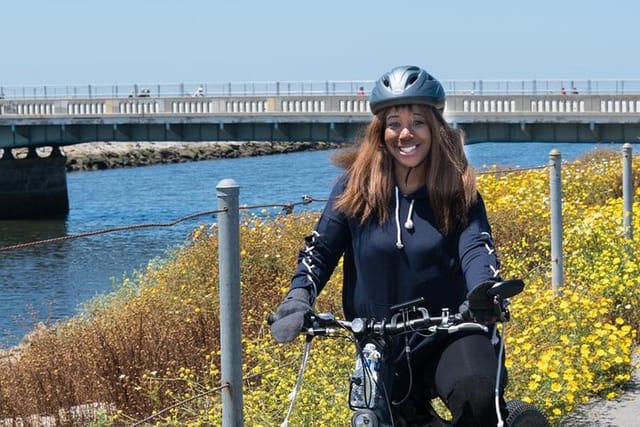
(410,223)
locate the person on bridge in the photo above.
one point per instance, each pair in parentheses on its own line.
(409,221)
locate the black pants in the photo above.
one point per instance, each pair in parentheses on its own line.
(461,370)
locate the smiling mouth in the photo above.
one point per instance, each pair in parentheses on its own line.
(408,150)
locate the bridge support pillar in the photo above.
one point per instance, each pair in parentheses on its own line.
(595,131)
(33,187)
(333,134)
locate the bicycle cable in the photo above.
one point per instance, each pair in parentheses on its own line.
(499,370)
(298,384)
(407,350)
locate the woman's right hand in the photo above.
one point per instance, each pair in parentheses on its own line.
(289,317)
(480,306)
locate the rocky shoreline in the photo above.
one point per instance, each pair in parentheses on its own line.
(109,155)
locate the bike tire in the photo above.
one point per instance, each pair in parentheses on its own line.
(523,414)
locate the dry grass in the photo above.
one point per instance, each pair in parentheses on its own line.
(159,322)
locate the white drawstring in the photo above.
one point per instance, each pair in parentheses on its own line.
(408,224)
(399,244)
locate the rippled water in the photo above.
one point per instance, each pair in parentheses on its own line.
(48,282)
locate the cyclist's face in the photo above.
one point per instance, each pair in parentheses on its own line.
(407,136)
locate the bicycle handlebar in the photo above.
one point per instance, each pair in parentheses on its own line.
(407,317)
(325,324)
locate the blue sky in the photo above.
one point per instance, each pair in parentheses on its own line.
(162,41)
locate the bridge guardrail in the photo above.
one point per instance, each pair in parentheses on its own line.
(468,104)
(305,88)
(185,105)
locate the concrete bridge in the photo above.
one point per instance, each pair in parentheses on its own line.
(486,110)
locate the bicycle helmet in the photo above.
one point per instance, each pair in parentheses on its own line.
(407,84)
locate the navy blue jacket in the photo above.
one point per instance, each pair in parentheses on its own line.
(390,263)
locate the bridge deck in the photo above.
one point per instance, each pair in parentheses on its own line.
(338,115)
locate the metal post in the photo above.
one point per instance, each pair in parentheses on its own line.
(229,271)
(627,190)
(555,183)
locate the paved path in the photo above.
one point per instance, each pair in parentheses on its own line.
(623,411)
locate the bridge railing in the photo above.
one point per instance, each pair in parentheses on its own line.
(172,106)
(560,105)
(338,87)
(469,105)
(543,87)
(164,90)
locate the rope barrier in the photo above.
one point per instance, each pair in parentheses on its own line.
(205,393)
(107,230)
(177,404)
(287,208)
(487,172)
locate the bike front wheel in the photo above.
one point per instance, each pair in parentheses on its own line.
(364,418)
(523,414)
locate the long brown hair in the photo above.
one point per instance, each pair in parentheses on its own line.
(450,180)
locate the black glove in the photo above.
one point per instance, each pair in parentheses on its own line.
(479,306)
(289,317)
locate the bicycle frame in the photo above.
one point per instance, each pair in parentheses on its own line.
(367,395)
